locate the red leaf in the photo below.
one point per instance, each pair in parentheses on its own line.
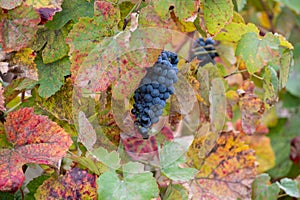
(35,139)
(295,150)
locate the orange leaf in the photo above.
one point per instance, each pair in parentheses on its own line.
(35,139)
(227,171)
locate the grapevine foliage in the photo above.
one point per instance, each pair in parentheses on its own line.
(163,99)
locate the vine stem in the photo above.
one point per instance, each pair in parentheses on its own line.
(22,193)
(282,195)
(269,14)
(134,9)
(235,72)
(13,108)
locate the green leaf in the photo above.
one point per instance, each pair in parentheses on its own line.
(256,52)
(51,76)
(176,191)
(71,10)
(56,47)
(6,196)
(112,159)
(292,4)
(239,4)
(281,136)
(294,77)
(33,186)
(216,14)
(285,63)
(290,187)
(177,173)
(170,157)
(270,85)
(138,185)
(91,163)
(262,191)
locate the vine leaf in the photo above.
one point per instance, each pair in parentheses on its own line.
(183,9)
(59,104)
(251,108)
(34,184)
(233,32)
(171,156)
(2,107)
(141,185)
(257,52)
(262,189)
(18,27)
(38,4)
(264,153)
(281,136)
(111,160)
(51,76)
(86,133)
(10,4)
(35,139)
(216,14)
(290,187)
(11,91)
(138,148)
(75,184)
(217,101)
(71,10)
(176,191)
(228,170)
(293,5)
(55,45)
(25,60)
(88,32)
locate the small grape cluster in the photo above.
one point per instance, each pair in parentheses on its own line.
(155,88)
(204,50)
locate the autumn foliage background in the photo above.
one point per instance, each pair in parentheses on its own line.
(68,71)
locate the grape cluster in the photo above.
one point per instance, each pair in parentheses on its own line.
(204,51)
(155,88)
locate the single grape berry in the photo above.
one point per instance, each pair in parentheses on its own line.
(155,88)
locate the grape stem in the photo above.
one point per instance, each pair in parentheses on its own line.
(134,9)
(269,14)
(235,72)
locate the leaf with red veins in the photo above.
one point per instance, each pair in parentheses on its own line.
(2,107)
(35,139)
